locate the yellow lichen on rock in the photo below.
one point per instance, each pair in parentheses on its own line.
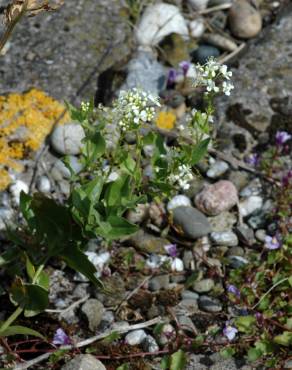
(25,121)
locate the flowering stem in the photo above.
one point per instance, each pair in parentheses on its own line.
(274,286)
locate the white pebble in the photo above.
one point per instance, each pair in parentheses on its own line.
(135,337)
(250,204)
(177,201)
(177,265)
(197,28)
(217,169)
(198,4)
(43,184)
(16,188)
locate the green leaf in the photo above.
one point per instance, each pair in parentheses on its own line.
(227,352)
(95,147)
(124,367)
(290,280)
(20,330)
(121,227)
(254,354)
(116,189)
(199,151)
(165,363)
(112,337)
(78,261)
(178,360)
(284,339)
(245,324)
(26,209)
(29,268)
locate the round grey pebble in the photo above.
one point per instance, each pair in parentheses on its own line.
(225,238)
(84,362)
(149,344)
(261,234)
(93,310)
(67,139)
(203,53)
(203,286)
(43,184)
(237,261)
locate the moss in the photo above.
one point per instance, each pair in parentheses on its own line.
(25,120)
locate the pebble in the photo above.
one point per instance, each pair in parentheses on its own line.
(203,53)
(67,139)
(222,222)
(136,337)
(217,169)
(166,335)
(149,344)
(139,214)
(6,216)
(253,188)
(203,286)
(145,71)
(216,198)
(64,187)
(159,282)
(16,188)
(177,265)
(237,261)
(220,41)
(186,323)
(84,362)
(236,251)
(198,4)
(43,184)
(209,304)
(188,294)
(191,221)
(148,243)
(261,234)
(93,310)
(239,179)
(188,260)
(158,21)
(225,238)
(157,213)
(250,204)
(245,235)
(197,28)
(177,201)
(244,20)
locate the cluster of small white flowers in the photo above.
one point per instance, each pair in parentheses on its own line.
(135,106)
(210,72)
(85,106)
(182,177)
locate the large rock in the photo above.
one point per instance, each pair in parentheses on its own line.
(245,20)
(56,52)
(158,21)
(191,222)
(262,83)
(67,139)
(84,362)
(216,198)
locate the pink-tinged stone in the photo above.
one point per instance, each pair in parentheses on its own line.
(217,198)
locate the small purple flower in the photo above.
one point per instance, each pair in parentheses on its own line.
(171,78)
(185,65)
(253,159)
(230,331)
(282,137)
(287,178)
(61,338)
(233,290)
(272,242)
(171,250)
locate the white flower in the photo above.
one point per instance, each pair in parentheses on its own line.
(227,87)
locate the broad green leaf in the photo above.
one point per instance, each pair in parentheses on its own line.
(20,330)
(284,339)
(78,261)
(121,227)
(95,146)
(29,268)
(254,354)
(37,300)
(227,352)
(115,190)
(178,360)
(245,324)
(43,280)
(165,363)
(112,337)
(94,188)
(26,209)
(10,255)
(199,151)
(124,367)
(288,324)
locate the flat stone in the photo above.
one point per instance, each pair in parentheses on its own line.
(192,222)
(209,304)
(203,286)
(84,362)
(149,344)
(135,337)
(159,282)
(222,222)
(227,238)
(93,310)
(148,243)
(251,204)
(237,261)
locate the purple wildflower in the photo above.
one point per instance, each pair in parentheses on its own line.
(287,179)
(233,290)
(253,159)
(282,137)
(171,79)
(61,338)
(272,242)
(185,65)
(229,331)
(171,250)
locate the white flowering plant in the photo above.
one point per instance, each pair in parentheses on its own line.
(127,160)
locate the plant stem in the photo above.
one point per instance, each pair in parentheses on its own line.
(10,319)
(274,286)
